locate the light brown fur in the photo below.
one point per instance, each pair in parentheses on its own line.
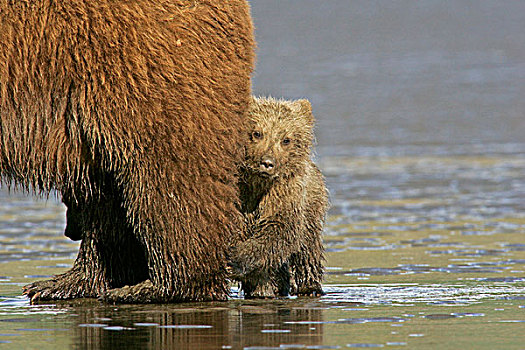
(284,202)
(128,109)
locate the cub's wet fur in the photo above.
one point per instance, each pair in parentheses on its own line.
(284,201)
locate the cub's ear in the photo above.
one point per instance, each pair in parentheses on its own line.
(305,108)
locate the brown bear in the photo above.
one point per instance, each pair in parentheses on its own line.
(128,110)
(284,202)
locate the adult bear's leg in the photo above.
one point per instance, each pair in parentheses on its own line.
(184,229)
(109,254)
(179,186)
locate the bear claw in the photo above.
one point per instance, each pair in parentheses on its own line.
(69,285)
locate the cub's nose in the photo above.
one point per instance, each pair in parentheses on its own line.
(267,164)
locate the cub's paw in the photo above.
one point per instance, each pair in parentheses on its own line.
(261,291)
(310,291)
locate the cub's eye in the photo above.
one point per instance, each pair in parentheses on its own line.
(286,141)
(257,135)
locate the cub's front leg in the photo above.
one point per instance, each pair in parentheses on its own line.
(260,261)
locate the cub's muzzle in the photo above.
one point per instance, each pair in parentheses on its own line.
(267,165)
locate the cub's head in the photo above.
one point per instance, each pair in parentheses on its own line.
(280,137)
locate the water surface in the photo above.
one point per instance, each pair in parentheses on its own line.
(420,130)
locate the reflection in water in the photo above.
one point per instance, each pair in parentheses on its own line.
(233,325)
(363,316)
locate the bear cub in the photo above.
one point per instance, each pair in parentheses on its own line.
(284,202)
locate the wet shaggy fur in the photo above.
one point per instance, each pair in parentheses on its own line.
(128,109)
(284,203)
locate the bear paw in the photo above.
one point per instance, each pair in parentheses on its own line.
(70,285)
(314,290)
(141,293)
(264,291)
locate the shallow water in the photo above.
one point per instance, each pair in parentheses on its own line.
(420,128)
